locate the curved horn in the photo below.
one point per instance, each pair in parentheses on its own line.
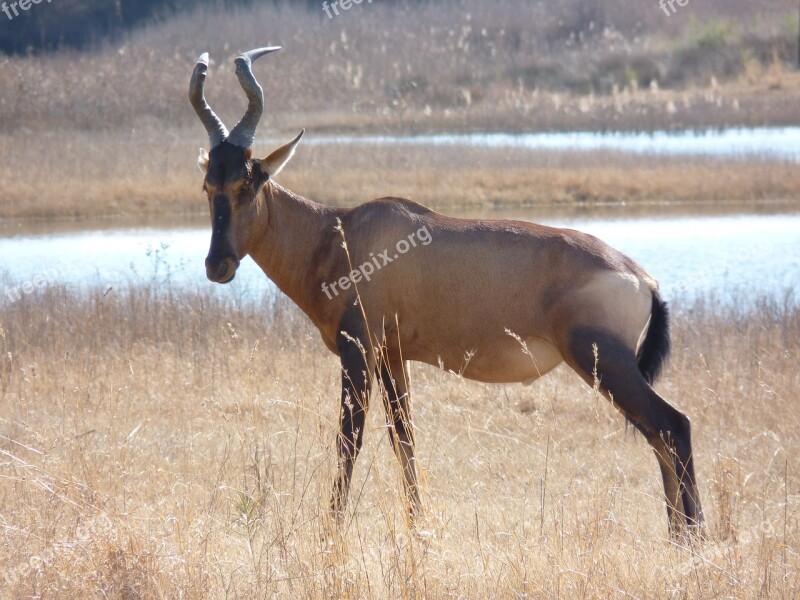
(244,133)
(217,132)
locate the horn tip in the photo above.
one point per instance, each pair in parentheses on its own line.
(251,55)
(203,59)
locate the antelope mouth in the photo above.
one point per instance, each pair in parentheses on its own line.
(223,272)
(228,280)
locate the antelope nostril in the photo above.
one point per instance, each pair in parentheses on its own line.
(223,271)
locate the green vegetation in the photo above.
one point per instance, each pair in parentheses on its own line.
(711,35)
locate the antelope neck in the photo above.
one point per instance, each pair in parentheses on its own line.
(289,235)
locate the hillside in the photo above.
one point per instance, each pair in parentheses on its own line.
(435,65)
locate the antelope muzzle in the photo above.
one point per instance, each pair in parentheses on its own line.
(222,260)
(221,271)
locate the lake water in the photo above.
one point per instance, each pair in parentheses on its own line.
(765,143)
(733,256)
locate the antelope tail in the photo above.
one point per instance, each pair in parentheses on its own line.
(655,349)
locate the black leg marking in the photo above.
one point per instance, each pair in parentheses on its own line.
(357,367)
(666,428)
(398,418)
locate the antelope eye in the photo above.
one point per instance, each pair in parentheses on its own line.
(245,193)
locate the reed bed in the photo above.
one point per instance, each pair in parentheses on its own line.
(109,131)
(538,65)
(153,171)
(162,443)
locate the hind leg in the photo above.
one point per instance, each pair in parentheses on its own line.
(666,429)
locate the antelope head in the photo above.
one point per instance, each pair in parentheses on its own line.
(234,180)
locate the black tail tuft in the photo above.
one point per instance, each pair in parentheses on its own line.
(655,349)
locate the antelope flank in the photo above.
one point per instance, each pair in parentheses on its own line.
(375,263)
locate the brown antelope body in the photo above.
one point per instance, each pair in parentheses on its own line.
(497,301)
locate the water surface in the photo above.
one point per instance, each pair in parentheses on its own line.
(762,143)
(733,256)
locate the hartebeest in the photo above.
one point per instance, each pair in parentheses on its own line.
(453,302)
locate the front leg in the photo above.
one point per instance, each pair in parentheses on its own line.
(398,418)
(358,364)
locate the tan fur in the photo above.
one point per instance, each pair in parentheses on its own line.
(457,296)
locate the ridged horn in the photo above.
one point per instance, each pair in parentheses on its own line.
(217,132)
(244,133)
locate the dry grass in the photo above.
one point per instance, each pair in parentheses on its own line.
(109,132)
(513,64)
(158,444)
(152,172)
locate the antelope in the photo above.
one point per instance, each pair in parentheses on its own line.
(498,301)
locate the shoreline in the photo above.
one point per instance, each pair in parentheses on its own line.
(150,171)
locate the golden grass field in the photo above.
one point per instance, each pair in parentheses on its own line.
(164,444)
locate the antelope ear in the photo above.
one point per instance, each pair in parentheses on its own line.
(202,161)
(273,164)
